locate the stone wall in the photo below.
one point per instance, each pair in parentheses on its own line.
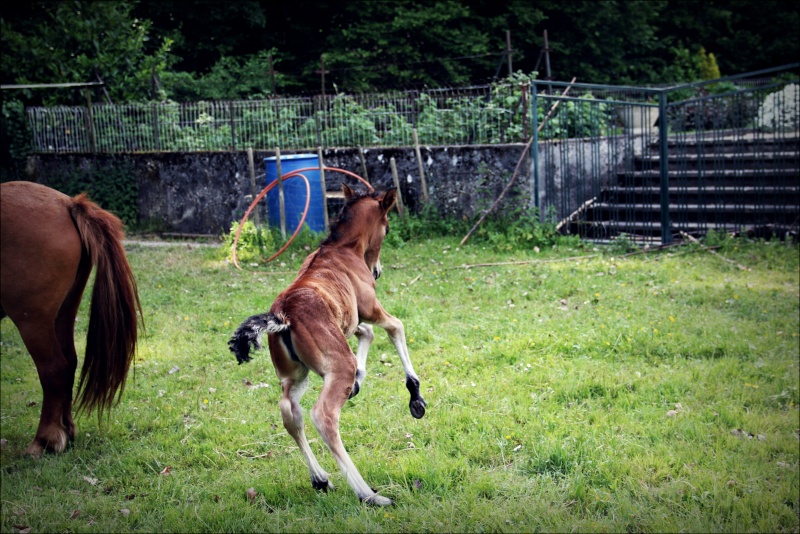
(203,192)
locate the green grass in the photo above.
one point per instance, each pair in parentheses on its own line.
(548,388)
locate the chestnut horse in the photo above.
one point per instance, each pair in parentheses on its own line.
(332,298)
(49,243)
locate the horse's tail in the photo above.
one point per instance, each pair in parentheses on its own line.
(111,339)
(252,329)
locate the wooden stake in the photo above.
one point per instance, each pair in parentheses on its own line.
(399,205)
(696,242)
(251,164)
(421,167)
(519,164)
(363,164)
(324,188)
(281,200)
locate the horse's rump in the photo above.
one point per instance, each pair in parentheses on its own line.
(50,243)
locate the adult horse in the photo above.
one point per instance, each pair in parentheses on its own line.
(48,245)
(332,298)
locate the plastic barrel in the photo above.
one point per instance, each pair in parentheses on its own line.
(294,192)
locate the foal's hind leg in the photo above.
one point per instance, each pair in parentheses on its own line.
(365,337)
(292,412)
(325,414)
(327,353)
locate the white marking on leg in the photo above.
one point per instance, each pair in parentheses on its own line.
(292,414)
(365,336)
(325,415)
(394,328)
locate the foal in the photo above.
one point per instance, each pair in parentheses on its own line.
(332,298)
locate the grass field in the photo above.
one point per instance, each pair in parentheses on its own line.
(653,392)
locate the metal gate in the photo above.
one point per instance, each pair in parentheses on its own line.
(649,163)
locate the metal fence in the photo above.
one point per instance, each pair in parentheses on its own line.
(650,163)
(646,163)
(473,115)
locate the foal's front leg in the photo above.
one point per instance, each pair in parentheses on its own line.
(365,336)
(394,327)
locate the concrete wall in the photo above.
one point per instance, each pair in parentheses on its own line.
(204,192)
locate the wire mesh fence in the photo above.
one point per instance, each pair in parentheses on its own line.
(473,115)
(608,161)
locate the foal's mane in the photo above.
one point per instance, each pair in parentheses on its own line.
(345,216)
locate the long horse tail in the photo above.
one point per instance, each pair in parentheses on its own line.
(111,339)
(251,331)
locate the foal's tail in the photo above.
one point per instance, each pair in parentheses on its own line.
(111,339)
(250,333)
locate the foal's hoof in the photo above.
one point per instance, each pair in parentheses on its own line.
(377,500)
(417,407)
(322,484)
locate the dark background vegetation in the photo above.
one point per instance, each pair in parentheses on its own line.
(198,49)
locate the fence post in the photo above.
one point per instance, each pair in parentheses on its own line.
(535,149)
(253,191)
(233,131)
(155,127)
(663,156)
(317,108)
(281,198)
(420,166)
(90,121)
(324,188)
(400,208)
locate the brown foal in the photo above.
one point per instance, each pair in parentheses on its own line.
(332,298)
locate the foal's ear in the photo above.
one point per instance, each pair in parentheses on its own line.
(348,193)
(389,199)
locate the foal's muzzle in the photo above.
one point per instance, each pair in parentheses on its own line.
(376,271)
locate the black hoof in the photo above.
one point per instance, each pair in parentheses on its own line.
(417,407)
(320,484)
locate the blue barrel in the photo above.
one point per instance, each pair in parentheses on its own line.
(294,192)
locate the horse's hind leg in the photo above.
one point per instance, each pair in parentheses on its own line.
(52,367)
(65,332)
(365,337)
(293,389)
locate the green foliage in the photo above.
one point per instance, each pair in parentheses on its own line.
(113,185)
(514,229)
(517,229)
(259,243)
(688,66)
(346,123)
(427,223)
(255,243)
(81,41)
(14,140)
(231,78)
(588,118)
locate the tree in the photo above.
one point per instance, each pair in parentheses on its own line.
(413,42)
(79,41)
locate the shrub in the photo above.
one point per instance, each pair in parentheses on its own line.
(779,111)
(254,242)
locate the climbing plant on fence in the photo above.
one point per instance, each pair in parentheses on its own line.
(491,114)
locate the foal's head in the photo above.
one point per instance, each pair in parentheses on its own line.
(364,222)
